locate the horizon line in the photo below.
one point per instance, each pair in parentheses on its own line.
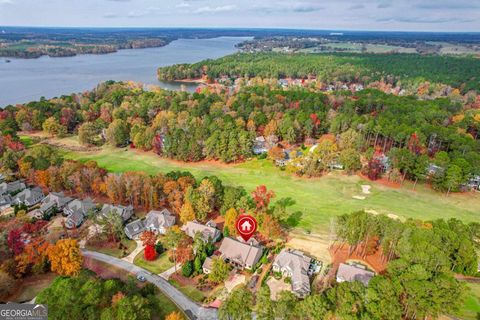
(234,28)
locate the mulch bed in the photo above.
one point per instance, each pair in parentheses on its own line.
(340,254)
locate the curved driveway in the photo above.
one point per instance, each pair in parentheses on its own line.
(190,308)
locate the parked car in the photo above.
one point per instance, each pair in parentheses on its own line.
(141,277)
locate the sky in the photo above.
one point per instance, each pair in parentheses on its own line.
(381,15)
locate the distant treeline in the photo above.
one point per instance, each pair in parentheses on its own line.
(458,72)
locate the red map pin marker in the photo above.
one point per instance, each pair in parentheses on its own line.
(246,226)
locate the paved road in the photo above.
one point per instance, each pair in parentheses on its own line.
(190,308)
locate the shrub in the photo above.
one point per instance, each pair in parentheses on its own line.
(187,269)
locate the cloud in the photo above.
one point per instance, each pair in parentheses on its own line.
(110,15)
(306,8)
(182,5)
(301,7)
(209,9)
(447,5)
(424,20)
(119,0)
(6,1)
(356,7)
(384,5)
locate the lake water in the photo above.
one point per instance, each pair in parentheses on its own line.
(24,80)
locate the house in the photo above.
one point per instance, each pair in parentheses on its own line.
(29,197)
(124,212)
(134,228)
(208,231)
(433,169)
(5,202)
(207,265)
(240,254)
(76,211)
(159,221)
(74,220)
(347,272)
(260,145)
(12,187)
(296,265)
(53,202)
(473,183)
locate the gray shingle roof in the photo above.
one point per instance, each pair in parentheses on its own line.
(158,219)
(29,196)
(125,212)
(240,252)
(296,263)
(348,272)
(134,228)
(207,232)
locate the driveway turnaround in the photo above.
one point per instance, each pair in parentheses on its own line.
(190,308)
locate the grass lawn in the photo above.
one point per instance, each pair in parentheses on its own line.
(471,306)
(159,265)
(30,287)
(166,306)
(115,252)
(318,199)
(190,291)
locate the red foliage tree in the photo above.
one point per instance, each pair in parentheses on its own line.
(262,197)
(157,144)
(374,169)
(150,254)
(414,144)
(15,241)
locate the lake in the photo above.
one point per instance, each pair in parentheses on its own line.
(24,80)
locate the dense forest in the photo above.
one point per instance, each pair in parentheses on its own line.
(417,284)
(354,129)
(409,69)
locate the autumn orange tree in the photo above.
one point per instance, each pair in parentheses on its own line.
(65,257)
(174,316)
(261,196)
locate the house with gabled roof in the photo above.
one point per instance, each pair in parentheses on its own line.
(134,229)
(350,272)
(29,197)
(125,212)
(159,221)
(208,231)
(76,211)
(5,202)
(296,265)
(240,254)
(54,201)
(12,187)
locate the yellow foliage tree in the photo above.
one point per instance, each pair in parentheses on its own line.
(187,213)
(65,257)
(230,219)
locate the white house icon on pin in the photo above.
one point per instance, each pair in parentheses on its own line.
(246,226)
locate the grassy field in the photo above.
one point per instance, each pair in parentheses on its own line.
(190,291)
(471,306)
(115,252)
(159,265)
(317,199)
